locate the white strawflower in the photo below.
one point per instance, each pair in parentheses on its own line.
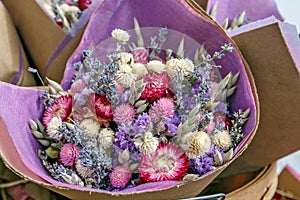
(195,144)
(106,137)
(53,126)
(156,66)
(184,67)
(125,76)
(222,140)
(139,69)
(148,144)
(120,35)
(126,58)
(91,127)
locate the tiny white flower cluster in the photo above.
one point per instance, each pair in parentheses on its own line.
(120,36)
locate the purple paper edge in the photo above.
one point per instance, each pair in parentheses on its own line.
(292,39)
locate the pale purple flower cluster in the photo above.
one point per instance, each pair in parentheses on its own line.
(124,136)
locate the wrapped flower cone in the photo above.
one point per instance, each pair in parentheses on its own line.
(13,62)
(48,45)
(19,147)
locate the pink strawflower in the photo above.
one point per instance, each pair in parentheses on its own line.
(83,4)
(68,154)
(157,86)
(120,176)
(164,107)
(167,163)
(62,108)
(124,113)
(140,55)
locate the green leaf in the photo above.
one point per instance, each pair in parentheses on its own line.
(52,152)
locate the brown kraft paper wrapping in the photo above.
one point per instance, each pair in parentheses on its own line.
(41,37)
(13,62)
(272,50)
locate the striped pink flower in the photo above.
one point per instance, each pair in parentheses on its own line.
(62,108)
(167,163)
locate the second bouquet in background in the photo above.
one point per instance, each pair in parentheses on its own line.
(146,105)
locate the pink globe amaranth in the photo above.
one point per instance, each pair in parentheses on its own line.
(120,176)
(68,154)
(163,107)
(167,163)
(157,86)
(140,55)
(124,113)
(62,108)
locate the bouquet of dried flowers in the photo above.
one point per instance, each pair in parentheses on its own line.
(66,12)
(146,114)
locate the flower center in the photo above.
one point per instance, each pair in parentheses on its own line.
(165,164)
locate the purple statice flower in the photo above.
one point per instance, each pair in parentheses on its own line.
(141,124)
(204,164)
(124,136)
(125,96)
(187,104)
(172,124)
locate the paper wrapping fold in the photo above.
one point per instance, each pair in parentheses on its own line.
(272,49)
(19,104)
(254,10)
(13,61)
(48,45)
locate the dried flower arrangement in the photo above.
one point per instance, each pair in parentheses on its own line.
(66,12)
(148,114)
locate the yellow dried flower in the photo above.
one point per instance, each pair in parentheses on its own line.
(195,144)
(222,140)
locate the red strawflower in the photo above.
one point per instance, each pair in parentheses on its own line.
(157,86)
(62,108)
(83,4)
(167,163)
(102,106)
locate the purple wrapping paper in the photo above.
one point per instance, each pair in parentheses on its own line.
(255,10)
(18,105)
